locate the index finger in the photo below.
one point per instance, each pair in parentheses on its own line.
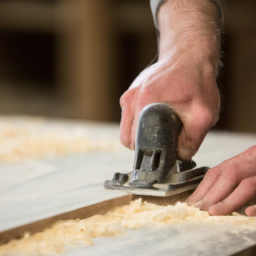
(210,178)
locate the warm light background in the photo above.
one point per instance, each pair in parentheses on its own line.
(75,58)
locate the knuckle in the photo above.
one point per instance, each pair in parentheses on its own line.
(219,170)
(201,120)
(249,183)
(213,173)
(207,116)
(123,100)
(182,96)
(126,98)
(148,88)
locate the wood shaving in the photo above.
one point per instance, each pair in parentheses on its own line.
(65,234)
(36,140)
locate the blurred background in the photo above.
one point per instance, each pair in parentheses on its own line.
(75,58)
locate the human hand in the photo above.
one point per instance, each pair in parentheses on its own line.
(228,186)
(186,87)
(184,76)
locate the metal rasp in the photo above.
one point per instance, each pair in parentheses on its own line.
(156,170)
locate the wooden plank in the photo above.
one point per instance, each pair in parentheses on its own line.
(177,240)
(81,213)
(75,181)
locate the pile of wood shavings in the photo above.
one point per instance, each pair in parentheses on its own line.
(20,142)
(138,214)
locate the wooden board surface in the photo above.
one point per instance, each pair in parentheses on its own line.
(179,240)
(35,189)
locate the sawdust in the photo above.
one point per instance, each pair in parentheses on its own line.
(65,234)
(26,140)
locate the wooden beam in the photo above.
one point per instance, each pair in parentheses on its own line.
(22,15)
(85,58)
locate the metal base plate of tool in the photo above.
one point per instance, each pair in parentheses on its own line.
(189,181)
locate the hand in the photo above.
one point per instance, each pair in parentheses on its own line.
(184,76)
(186,87)
(228,186)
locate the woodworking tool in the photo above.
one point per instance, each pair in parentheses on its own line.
(156,170)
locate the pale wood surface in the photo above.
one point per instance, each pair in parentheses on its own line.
(33,190)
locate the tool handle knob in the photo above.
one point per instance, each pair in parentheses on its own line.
(156,141)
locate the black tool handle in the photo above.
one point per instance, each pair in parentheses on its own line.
(155,145)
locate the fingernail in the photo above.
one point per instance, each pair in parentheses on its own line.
(189,203)
(198,204)
(251,211)
(201,204)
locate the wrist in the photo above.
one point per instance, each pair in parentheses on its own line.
(191,30)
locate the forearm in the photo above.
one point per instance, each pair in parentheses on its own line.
(191,26)
(156,5)
(184,77)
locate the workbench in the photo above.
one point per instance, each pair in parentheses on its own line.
(35,191)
